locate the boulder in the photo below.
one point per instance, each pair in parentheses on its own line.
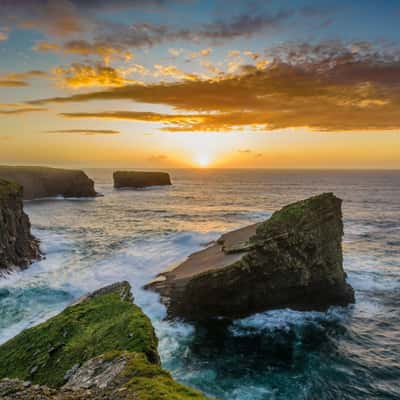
(39,182)
(101,347)
(292,260)
(140,179)
(17,245)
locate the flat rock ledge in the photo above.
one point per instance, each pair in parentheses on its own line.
(101,347)
(41,182)
(18,247)
(292,260)
(140,179)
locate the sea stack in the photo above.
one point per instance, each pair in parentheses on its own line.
(39,182)
(17,245)
(292,260)
(140,179)
(101,347)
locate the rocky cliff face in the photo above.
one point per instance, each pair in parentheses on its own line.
(292,260)
(102,347)
(41,182)
(17,246)
(140,179)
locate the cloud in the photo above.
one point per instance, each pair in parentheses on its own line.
(144,116)
(173,71)
(55,18)
(234,53)
(111,39)
(20,110)
(12,83)
(86,132)
(329,87)
(140,35)
(244,25)
(104,50)
(201,53)
(78,75)
(46,47)
(175,52)
(63,18)
(18,79)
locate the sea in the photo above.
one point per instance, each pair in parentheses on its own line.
(344,353)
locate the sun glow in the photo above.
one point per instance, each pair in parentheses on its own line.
(202,160)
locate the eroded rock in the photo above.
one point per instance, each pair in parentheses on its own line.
(292,260)
(140,179)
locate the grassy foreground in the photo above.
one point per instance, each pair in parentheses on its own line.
(104,326)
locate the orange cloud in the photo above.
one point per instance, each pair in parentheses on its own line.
(86,132)
(332,89)
(46,47)
(84,75)
(174,72)
(6,109)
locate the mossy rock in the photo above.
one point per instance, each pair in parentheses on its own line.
(104,321)
(130,375)
(115,375)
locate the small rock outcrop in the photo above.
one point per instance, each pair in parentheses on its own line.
(101,347)
(17,245)
(140,179)
(39,182)
(292,260)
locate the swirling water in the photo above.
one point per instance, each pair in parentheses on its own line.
(344,353)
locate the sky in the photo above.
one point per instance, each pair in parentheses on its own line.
(197,83)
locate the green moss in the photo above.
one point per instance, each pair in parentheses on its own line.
(99,324)
(294,213)
(146,381)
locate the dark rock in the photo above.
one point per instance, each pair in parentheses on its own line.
(39,182)
(292,260)
(17,245)
(140,179)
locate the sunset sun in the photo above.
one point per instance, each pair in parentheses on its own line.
(202,160)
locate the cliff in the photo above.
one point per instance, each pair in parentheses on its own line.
(102,347)
(140,179)
(41,182)
(292,260)
(17,245)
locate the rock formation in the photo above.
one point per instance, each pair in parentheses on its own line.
(17,245)
(101,347)
(292,260)
(140,179)
(41,182)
